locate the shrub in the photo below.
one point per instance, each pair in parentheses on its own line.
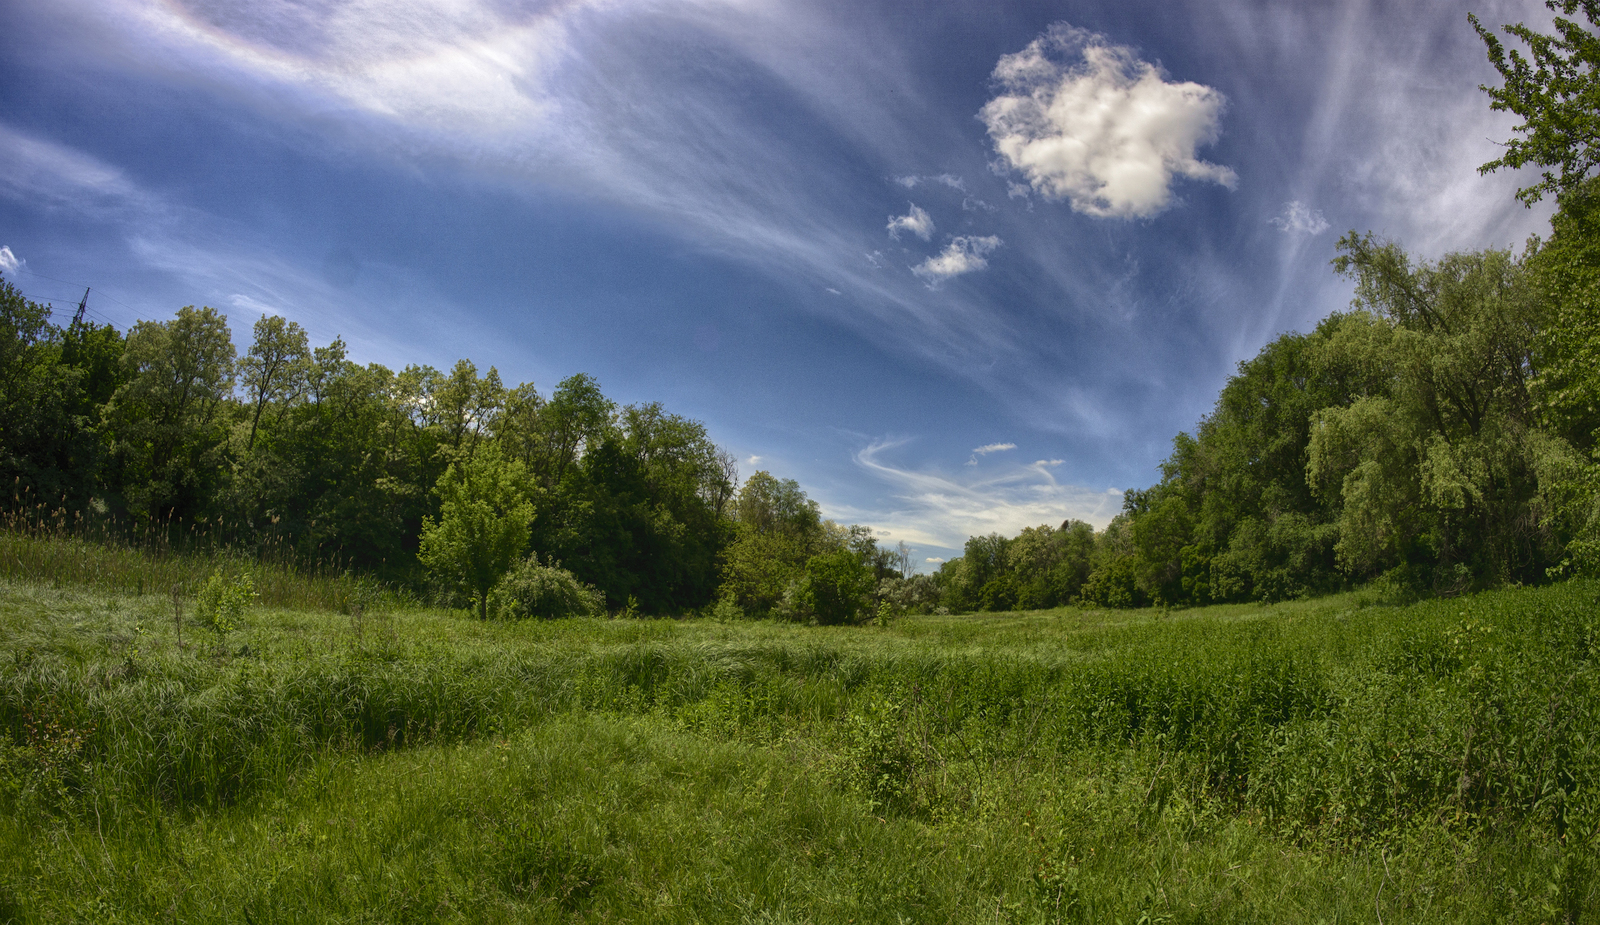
(221,603)
(532,590)
(837,585)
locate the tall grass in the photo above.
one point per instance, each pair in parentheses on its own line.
(1441,759)
(45,543)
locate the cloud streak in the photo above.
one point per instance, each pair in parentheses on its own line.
(988,448)
(934,509)
(1087,121)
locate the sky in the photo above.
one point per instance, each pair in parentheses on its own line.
(955,267)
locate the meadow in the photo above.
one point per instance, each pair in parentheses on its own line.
(344,755)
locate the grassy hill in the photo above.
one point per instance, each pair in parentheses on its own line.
(1334,760)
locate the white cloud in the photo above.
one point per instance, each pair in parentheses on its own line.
(9,263)
(941,510)
(964,254)
(754,460)
(1104,130)
(917,221)
(1299,217)
(988,448)
(935,560)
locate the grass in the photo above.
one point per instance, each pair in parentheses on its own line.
(1335,760)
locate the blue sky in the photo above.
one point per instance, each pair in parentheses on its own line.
(957,267)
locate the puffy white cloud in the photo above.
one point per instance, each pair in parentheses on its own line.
(1088,121)
(964,254)
(935,560)
(8,261)
(1297,217)
(754,460)
(988,448)
(917,221)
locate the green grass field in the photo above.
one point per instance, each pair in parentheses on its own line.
(1336,760)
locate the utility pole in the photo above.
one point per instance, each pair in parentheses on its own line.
(82,305)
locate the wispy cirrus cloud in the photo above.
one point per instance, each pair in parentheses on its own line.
(1299,218)
(911,181)
(931,508)
(1087,121)
(42,171)
(988,448)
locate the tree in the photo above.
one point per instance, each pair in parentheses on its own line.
(1437,469)
(51,385)
(484,516)
(577,417)
(1557,94)
(777,530)
(167,419)
(466,406)
(836,586)
(769,505)
(273,372)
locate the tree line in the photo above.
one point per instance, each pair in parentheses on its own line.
(444,481)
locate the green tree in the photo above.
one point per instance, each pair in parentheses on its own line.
(1556,92)
(837,586)
(465,407)
(484,515)
(273,372)
(1437,469)
(168,419)
(52,383)
(777,530)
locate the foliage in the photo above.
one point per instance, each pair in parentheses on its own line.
(836,587)
(167,420)
(1556,92)
(778,529)
(53,382)
(532,590)
(482,527)
(221,602)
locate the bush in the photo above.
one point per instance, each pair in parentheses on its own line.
(726,610)
(543,591)
(221,603)
(836,587)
